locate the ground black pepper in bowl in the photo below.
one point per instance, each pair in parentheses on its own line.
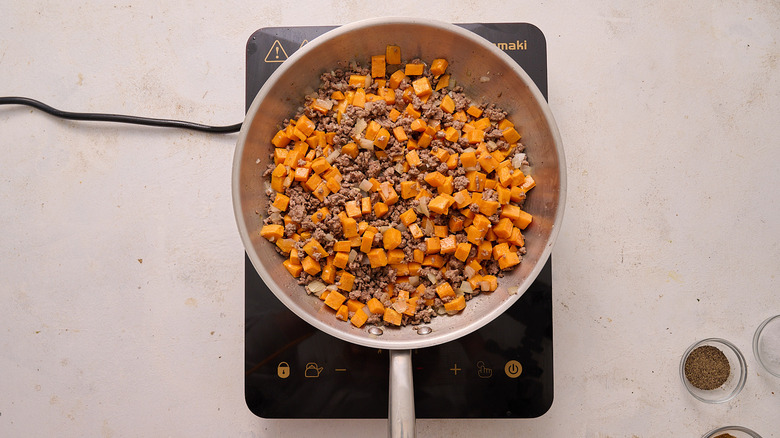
(707,367)
(713,370)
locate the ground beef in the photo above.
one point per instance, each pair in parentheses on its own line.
(305,220)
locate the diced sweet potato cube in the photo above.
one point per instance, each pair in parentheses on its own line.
(488,208)
(438,66)
(448,245)
(439,205)
(508,260)
(504,228)
(422,87)
(366,241)
(395,256)
(500,250)
(378,66)
(342,313)
(407,218)
(482,223)
(444,82)
(350,149)
(400,134)
(380,209)
(440,231)
(462,251)
(310,266)
(388,193)
(396,78)
(314,247)
(456,305)
(434,260)
(523,220)
(382,137)
(409,188)
(414,69)
(474,235)
(445,290)
(365,205)
(375,306)
(359,318)
(377,257)
(391,316)
(418,256)
(484,250)
(341,259)
(305,125)
(415,231)
(447,105)
(432,245)
(456,223)
(511,135)
(349,227)
(413,159)
(354,305)
(488,162)
(272,232)
(328,274)
(391,239)
(489,283)
(451,134)
(434,178)
(346,281)
(281,201)
(393,54)
(517,237)
(292,268)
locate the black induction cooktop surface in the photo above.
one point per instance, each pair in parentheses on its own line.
(292,370)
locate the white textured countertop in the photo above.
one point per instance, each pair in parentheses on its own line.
(122,270)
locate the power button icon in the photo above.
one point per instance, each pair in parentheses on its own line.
(513,369)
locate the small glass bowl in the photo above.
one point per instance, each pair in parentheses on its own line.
(737,374)
(736,431)
(766,345)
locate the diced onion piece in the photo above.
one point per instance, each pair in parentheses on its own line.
(327,104)
(517,160)
(513,290)
(469,271)
(365,185)
(422,207)
(332,157)
(360,125)
(365,143)
(400,306)
(432,278)
(414,280)
(465,287)
(352,256)
(315,287)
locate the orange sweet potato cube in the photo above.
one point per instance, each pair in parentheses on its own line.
(377,257)
(462,251)
(378,66)
(346,281)
(422,87)
(380,209)
(393,54)
(391,239)
(310,266)
(445,290)
(455,305)
(359,318)
(391,316)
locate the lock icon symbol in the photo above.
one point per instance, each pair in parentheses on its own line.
(283,370)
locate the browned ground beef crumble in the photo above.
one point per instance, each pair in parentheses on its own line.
(372,282)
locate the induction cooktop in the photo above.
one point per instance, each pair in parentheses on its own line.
(292,370)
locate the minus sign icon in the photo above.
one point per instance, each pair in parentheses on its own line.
(341,369)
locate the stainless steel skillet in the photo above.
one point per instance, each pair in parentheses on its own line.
(487,74)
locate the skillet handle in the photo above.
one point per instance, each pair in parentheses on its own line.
(401,418)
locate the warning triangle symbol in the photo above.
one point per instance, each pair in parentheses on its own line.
(276,53)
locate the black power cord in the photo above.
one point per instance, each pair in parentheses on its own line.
(118,118)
